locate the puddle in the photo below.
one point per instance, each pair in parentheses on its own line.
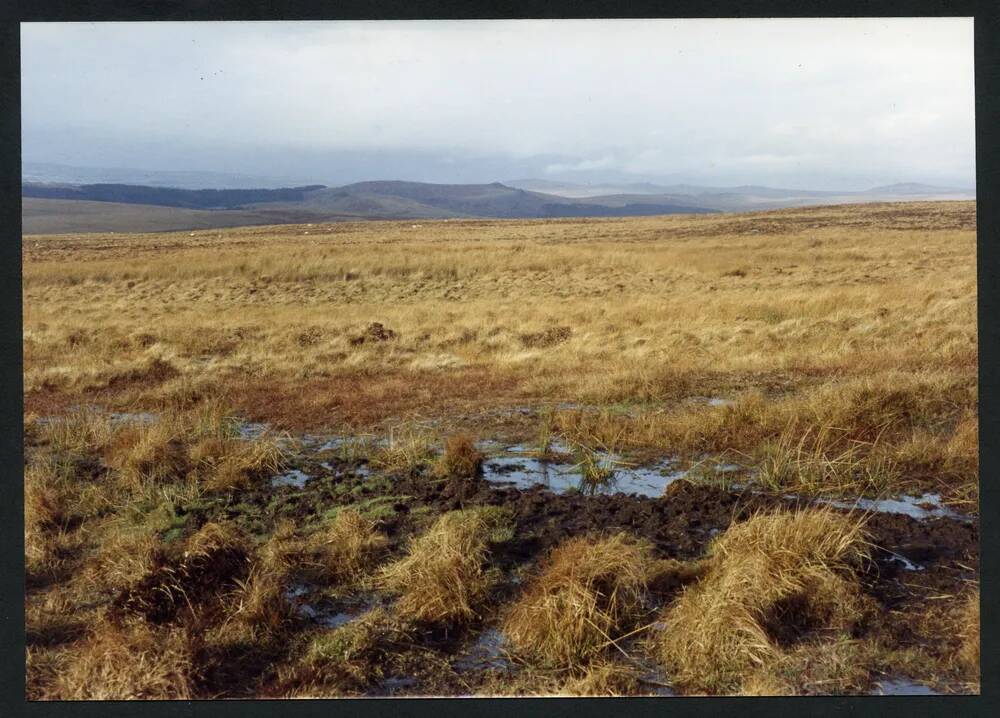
(527,471)
(336,620)
(486,653)
(324,612)
(250,430)
(717,401)
(727,468)
(293,477)
(902,687)
(295,592)
(907,564)
(925,506)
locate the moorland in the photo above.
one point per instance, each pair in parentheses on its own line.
(672,455)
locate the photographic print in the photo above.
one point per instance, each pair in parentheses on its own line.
(500,358)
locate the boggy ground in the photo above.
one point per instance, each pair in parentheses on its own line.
(825,351)
(256,586)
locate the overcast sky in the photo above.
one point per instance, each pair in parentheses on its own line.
(824,104)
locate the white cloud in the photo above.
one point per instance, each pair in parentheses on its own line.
(633,96)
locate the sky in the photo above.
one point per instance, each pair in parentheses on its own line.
(811,104)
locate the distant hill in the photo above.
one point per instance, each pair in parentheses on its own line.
(83,209)
(166,196)
(741,198)
(421,199)
(50,207)
(911,188)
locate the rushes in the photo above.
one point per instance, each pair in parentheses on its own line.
(821,462)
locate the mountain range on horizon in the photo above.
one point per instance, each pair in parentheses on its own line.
(59,206)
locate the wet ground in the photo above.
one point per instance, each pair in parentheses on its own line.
(922,548)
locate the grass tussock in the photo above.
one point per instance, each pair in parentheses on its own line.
(135,661)
(589,591)
(81,431)
(444,578)
(833,667)
(230,464)
(816,462)
(461,459)
(771,582)
(344,550)
(346,660)
(409,450)
(45,513)
(192,580)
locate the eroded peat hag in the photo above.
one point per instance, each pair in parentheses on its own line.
(386,459)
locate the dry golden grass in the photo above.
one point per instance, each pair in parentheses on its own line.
(773,581)
(342,551)
(850,357)
(602,679)
(831,667)
(968,632)
(828,291)
(343,661)
(443,578)
(587,594)
(135,661)
(815,320)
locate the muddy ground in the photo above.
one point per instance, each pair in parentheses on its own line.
(914,561)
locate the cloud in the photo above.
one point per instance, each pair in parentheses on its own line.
(793,98)
(582,166)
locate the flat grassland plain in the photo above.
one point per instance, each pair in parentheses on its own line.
(718,454)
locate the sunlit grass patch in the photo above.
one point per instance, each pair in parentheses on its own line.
(444,577)
(135,661)
(585,597)
(772,581)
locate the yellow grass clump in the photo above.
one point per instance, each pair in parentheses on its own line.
(443,578)
(587,593)
(771,581)
(343,550)
(131,662)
